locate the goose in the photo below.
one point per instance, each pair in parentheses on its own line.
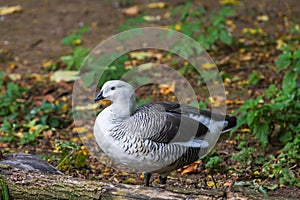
(155,137)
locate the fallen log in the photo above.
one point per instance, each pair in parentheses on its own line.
(31,185)
(21,183)
(35,185)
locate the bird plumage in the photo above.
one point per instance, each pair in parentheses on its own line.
(156,137)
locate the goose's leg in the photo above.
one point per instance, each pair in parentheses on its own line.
(162,179)
(147,177)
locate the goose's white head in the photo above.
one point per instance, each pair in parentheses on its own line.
(122,96)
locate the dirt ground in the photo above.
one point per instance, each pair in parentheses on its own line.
(32,36)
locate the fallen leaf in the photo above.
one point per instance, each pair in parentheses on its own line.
(246,57)
(191,168)
(36,77)
(12,66)
(47,134)
(229,2)
(149,18)
(130,180)
(245,130)
(228,183)
(280,43)
(83,151)
(87,107)
(210,184)
(47,64)
(82,129)
(5,10)
(139,55)
(208,65)
(19,134)
(123,173)
(132,11)
(177,27)
(263,18)
(67,76)
(167,89)
(87,137)
(49,98)
(157,5)
(14,77)
(256,173)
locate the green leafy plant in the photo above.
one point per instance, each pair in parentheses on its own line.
(74,38)
(213,162)
(206,27)
(206,32)
(254,78)
(283,166)
(74,61)
(4,193)
(245,154)
(71,155)
(274,117)
(21,120)
(276,112)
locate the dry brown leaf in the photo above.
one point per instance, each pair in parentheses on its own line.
(228,183)
(191,168)
(37,77)
(49,98)
(246,57)
(167,89)
(131,11)
(47,134)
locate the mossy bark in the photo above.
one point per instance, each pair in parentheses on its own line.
(34,185)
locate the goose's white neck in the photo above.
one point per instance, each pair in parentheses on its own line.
(123,108)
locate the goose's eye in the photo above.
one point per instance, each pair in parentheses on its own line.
(113,88)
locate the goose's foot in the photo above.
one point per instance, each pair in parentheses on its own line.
(162,180)
(147,177)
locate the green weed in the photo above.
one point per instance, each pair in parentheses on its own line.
(206,27)
(74,38)
(21,120)
(71,155)
(274,118)
(74,60)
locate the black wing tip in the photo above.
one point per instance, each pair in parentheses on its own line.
(231,122)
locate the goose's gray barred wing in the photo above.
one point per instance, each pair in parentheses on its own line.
(204,117)
(171,126)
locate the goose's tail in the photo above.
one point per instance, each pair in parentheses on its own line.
(230,122)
